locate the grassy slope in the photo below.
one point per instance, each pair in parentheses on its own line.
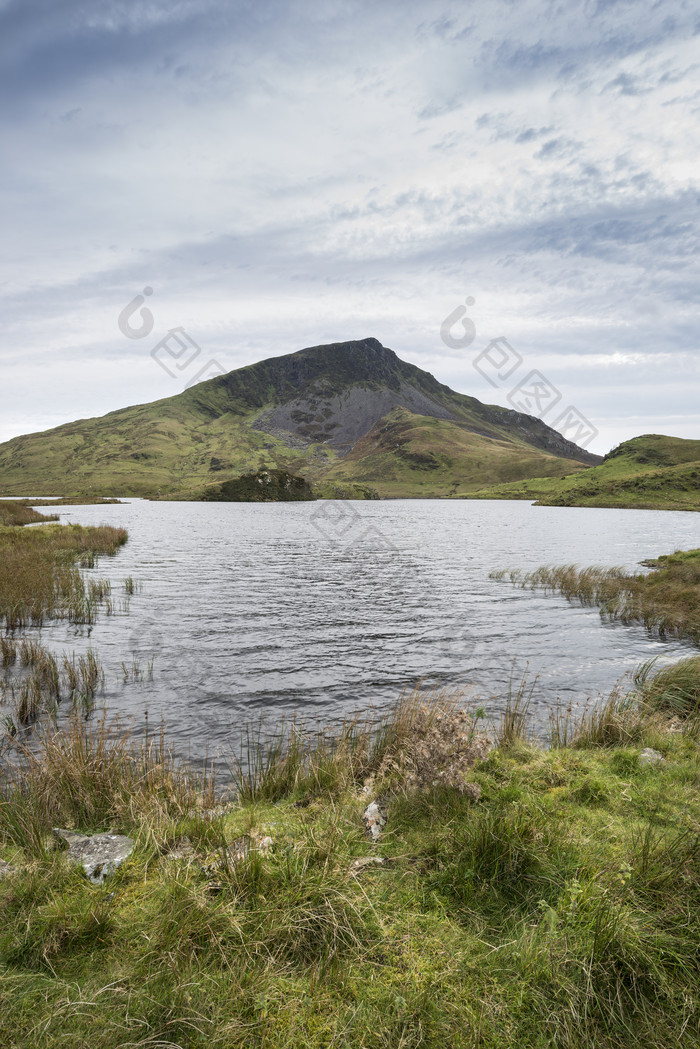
(414,455)
(561,909)
(145,450)
(651,472)
(205,435)
(182,450)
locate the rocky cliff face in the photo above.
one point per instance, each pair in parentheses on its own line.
(335,394)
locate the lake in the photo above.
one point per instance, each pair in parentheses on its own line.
(326,608)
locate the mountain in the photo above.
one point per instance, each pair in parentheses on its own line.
(339,415)
(652,472)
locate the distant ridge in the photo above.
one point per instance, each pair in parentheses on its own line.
(651,472)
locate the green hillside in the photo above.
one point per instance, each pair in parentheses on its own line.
(408,455)
(320,413)
(652,472)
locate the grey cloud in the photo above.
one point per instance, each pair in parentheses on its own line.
(624,84)
(284,174)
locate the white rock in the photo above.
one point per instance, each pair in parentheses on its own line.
(100,854)
(650,757)
(374,820)
(366,861)
(6,869)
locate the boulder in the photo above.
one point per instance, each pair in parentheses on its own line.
(100,854)
(650,757)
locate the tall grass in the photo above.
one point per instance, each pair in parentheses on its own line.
(616,721)
(666,601)
(93,775)
(290,758)
(15,514)
(675,689)
(515,726)
(40,574)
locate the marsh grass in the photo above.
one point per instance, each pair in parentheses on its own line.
(675,689)
(134,672)
(515,723)
(8,652)
(42,684)
(16,514)
(92,774)
(291,758)
(40,576)
(287,758)
(666,601)
(616,720)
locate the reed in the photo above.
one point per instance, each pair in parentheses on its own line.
(675,689)
(8,652)
(615,721)
(515,724)
(39,687)
(134,672)
(40,574)
(15,514)
(666,601)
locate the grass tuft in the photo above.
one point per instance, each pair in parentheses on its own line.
(666,601)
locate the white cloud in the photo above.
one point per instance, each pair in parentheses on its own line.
(284,175)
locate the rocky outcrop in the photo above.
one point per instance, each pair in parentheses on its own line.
(100,855)
(265,486)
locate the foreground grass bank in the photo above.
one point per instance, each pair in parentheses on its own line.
(517,896)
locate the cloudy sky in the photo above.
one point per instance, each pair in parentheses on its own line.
(283,174)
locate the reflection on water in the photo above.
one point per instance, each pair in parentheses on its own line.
(328,608)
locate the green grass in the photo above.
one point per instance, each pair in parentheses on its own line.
(647,473)
(413,456)
(558,907)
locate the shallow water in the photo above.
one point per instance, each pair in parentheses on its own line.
(327,608)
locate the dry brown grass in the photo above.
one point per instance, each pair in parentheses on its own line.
(436,742)
(92,774)
(40,574)
(666,601)
(15,514)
